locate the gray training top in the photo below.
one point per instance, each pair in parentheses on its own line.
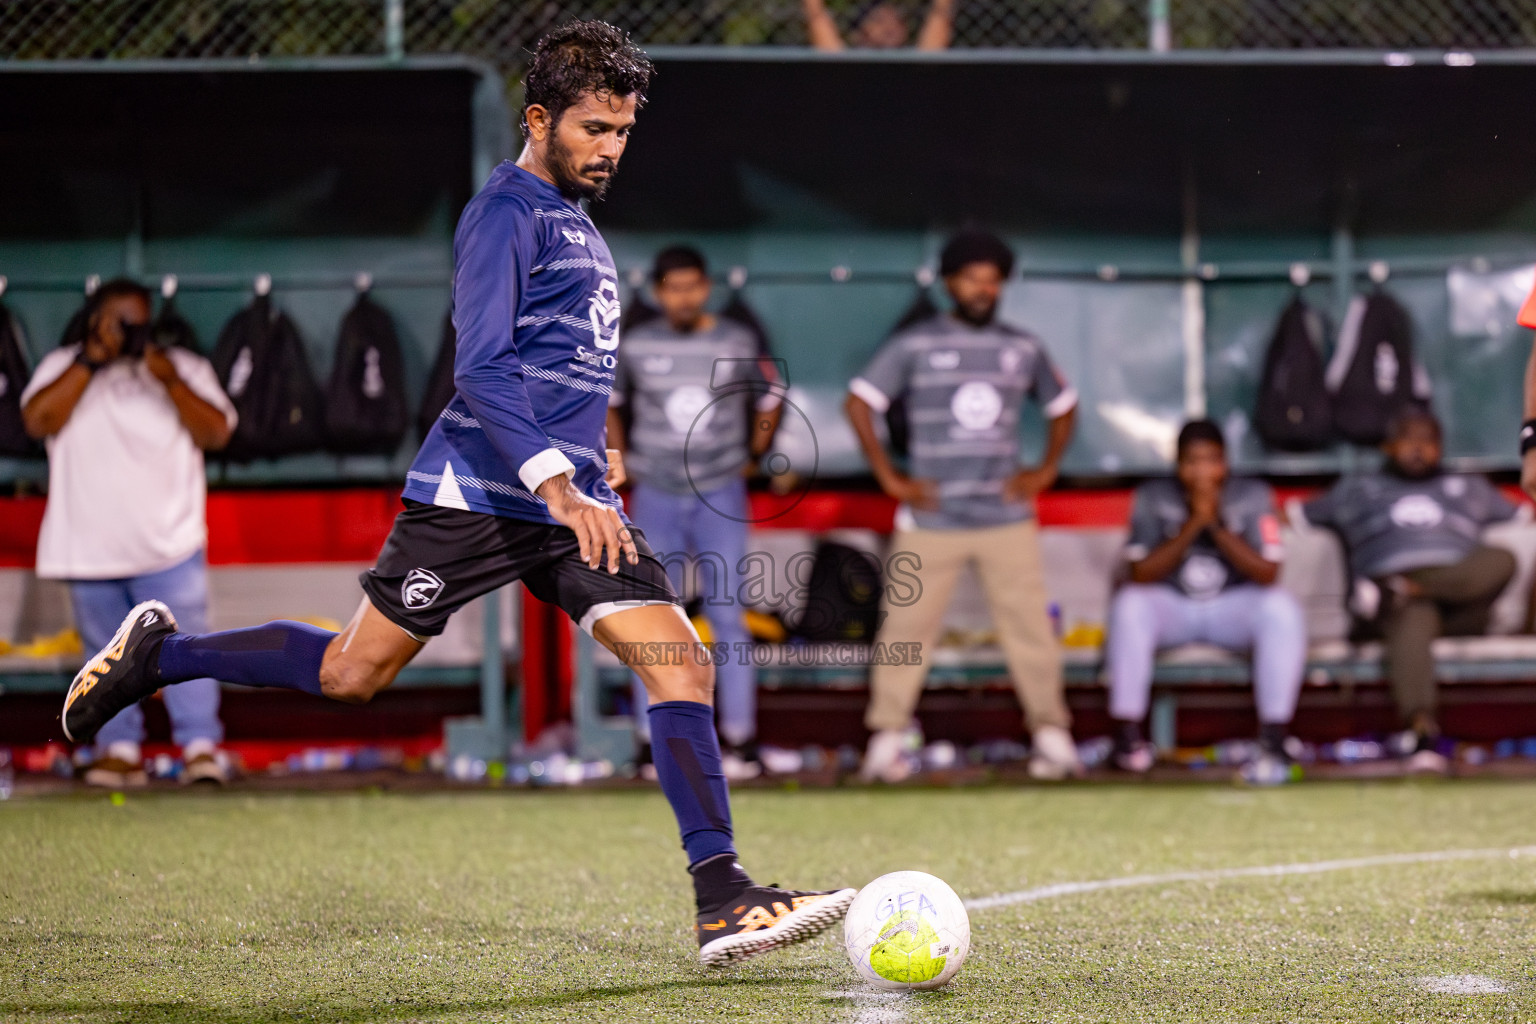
(965,387)
(1160,509)
(690,396)
(1392,525)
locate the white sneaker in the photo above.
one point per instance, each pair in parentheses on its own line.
(1055,755)
(888,757)
(736,768)
(1428,762)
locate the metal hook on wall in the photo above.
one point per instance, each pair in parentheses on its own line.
(263,285)
(168,286)
(737,277)
(1379,271)
(91,284)
(4,281)
(363,282)
(1301,274)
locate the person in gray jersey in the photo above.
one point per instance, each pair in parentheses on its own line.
(1204,553)
(965,498)
(1413,534)
(701,410)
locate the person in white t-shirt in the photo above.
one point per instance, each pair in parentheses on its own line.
(126,424)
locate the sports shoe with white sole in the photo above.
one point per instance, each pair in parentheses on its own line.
(764,918)
(1055,755)
(118,675)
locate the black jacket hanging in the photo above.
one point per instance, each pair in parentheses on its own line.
(262,366)
(14,374)
(1373,374)
(365,403)
(1293,412)
(440,388)
(171,329)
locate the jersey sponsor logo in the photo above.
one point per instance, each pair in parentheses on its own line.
(603,311)
(1202,576)
(945,360)
(600,359)
(420,589)
(1417,512)
(688,408)
(149,619)
(976,405)
(574,237)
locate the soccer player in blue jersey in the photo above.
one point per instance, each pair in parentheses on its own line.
(514,483)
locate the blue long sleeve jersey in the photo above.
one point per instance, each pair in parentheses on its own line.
(536,308)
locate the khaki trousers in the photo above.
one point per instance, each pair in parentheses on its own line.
(1007,559)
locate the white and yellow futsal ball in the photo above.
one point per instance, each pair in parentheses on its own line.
(907,930)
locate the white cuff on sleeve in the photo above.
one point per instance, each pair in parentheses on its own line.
(549,462)
(872,396)
(1061,404)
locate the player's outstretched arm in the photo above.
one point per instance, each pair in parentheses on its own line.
(599,530)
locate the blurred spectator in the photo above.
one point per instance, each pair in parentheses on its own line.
(963,378)
(700,415)
(126,424)
(1204,555)
(879,26)
(1413,534)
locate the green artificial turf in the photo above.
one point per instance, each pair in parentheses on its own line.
(240,908)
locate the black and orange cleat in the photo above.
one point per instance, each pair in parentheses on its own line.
(119,674)
(763,918)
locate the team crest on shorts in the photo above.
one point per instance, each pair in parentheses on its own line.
(421,588)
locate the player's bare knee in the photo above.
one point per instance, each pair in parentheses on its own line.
(351,683)
(686,680)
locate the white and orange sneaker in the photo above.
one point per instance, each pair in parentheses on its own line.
(764,918)
(118,675)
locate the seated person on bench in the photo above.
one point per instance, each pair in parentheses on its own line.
(1415,532)
(1205,553)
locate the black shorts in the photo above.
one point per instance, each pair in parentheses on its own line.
(437,560)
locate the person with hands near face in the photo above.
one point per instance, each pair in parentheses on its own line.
(125,418)
(964,377)
(1204,554)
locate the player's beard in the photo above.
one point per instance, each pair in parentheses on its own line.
(976,314)
(562,164)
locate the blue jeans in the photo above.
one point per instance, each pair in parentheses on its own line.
(101,606)
(1148,617)
(685,531)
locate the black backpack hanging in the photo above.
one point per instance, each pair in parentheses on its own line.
(14,374)
(843,603)
(171,329)
(262,366)
(440,387)
(1293,412)
(898,426)
(365,403)
(1373,375)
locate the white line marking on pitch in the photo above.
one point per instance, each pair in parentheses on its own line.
(1046,892)
(1464,985)
(874,1007)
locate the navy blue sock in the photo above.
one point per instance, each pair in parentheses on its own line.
(687,756)
(282,654)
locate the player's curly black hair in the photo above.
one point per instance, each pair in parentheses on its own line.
(583,57)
